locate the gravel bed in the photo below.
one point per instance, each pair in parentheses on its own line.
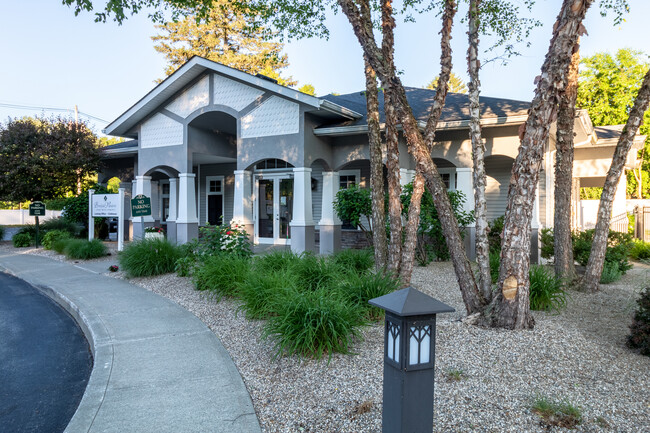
(578,356)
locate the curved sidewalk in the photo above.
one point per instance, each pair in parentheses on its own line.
(157,367)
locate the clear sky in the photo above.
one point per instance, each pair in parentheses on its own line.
(50,58)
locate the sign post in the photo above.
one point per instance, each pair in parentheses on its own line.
(141,207)
(91,220)
(37,209)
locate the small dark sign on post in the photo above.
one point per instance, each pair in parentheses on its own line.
(37,208)
(141,207)
(409,358)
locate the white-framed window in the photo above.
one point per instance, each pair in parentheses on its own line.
(214,202)
(164,200)
(449,178)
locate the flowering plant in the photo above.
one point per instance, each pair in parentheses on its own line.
(154,230)
(230,239)
(113,268)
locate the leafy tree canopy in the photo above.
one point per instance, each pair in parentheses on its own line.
(43,158)
(224,35)
(308,89)
(456,84)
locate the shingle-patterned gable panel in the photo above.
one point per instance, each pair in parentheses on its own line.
(192,99)
(233,94)
(160,131)
(276,116)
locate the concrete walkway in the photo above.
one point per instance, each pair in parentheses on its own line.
(157,368)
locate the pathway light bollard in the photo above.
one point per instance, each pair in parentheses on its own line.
(409,356)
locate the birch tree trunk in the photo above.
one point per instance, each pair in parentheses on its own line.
(563,247)
(411,235)
(394,187)
(599,244)
(510,307)
(376,170)
(478,155)
(358,13)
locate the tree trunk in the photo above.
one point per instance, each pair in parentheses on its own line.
(394,187)
(478,155)
(599,244)
(510,307)
(359,16)
(411,236)
(376,170)
(563,247)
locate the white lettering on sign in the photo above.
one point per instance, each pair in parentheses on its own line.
(105,205)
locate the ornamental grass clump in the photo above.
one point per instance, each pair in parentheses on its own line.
(315,272)
(221,274)
(275,261)
(149,257)
(546,292)
(81,249)
(359,261)
(359,289)
(53,236)
(313,323)
(560,414)
(262,294)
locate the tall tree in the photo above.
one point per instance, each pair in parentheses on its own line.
(42,158)
(564,265)
(456,84)
(599,244)
(226,36)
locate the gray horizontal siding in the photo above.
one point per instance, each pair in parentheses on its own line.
(498,172)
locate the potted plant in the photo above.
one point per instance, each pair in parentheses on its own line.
(154,233)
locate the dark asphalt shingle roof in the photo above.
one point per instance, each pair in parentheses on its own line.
(456,106)
(123,145)
(610,131)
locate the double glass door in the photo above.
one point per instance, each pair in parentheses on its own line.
(274,209)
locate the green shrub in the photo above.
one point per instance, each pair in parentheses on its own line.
(55,203)
(314,272)
(353,206)
(359,261)
(58,245)
(611,273)
(184,266)
(275,261)
(639,337)
(52,236)
(149,257)
(430,236)
(223,239)
(495,262)
(221,274)
(640,250)
(358,289)
(313,323)
(263,294)
(546,292)
(21,240)
(494,235)
(548,243)
(61,224)
(84,250)
(618,248)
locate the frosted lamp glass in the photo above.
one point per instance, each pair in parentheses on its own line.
(425,345)
(413,347)
(396,353)
(391,346)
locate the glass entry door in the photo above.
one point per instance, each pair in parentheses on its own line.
(273,209)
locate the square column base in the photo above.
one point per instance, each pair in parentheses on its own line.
(302,239)
(171,231)
(330,239)
(137,229)
(185,232)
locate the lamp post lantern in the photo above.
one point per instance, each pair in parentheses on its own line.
(409,357)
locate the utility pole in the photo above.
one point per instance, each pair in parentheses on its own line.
(76,122)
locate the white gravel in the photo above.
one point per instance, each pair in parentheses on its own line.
(578,356)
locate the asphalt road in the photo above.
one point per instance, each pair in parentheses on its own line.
(45,361)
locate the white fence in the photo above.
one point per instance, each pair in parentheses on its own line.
(14,217)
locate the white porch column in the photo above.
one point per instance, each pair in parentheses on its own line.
(187,224)
(173,209)
(302,224)
(142,186)
(330,224)
(465,184)
(242,213)
(406,176)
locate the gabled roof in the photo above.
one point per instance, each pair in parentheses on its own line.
(124,148)
(197,66)
(455,114)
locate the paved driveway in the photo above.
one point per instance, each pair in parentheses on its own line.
(45,361)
